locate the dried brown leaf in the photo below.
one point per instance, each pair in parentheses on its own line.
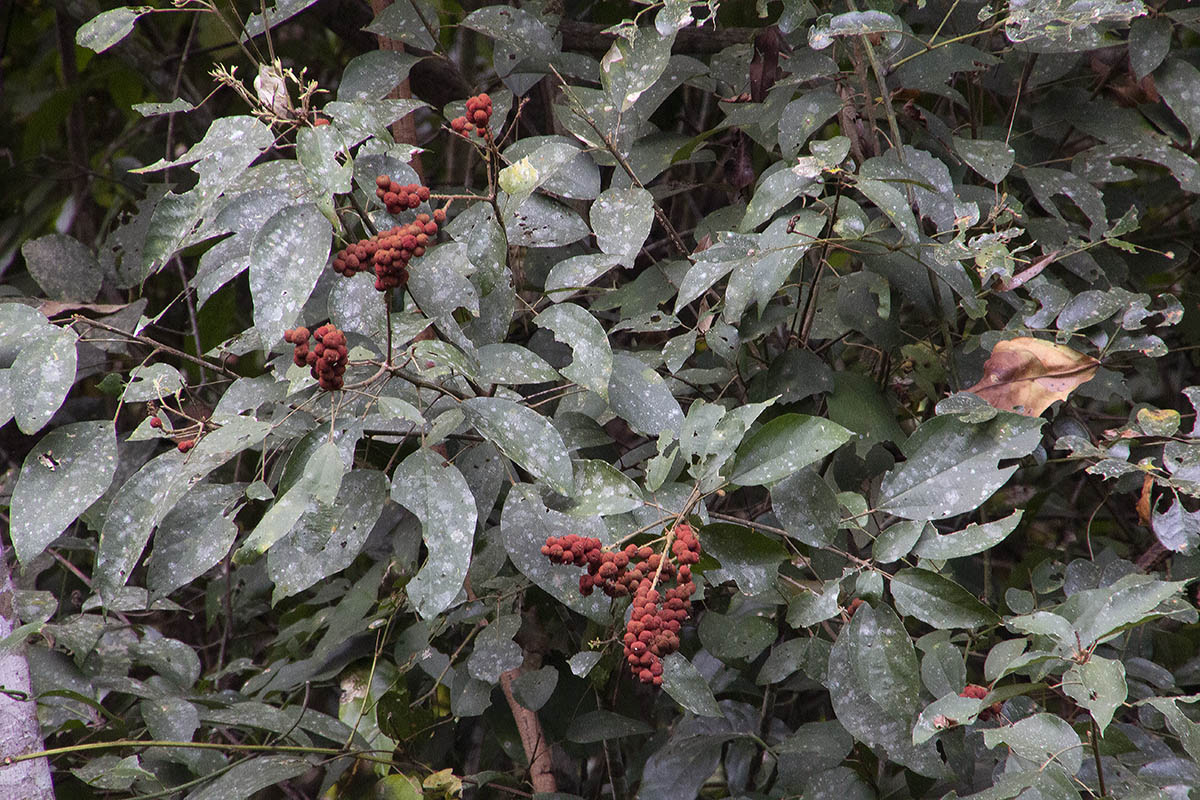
(1026,375)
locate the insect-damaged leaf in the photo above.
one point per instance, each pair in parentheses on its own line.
(1026,375)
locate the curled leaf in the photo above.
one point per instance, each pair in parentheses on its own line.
(1026,375)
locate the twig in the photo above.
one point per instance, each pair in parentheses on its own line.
(134,337)
(659,214)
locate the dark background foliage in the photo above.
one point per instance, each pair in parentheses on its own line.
(895,304)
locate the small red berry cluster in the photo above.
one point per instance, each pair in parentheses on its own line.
(327,358)
(479,113)
(388,252)
(399,198)
(654,623)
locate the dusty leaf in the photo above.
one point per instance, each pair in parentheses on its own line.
(1026,375)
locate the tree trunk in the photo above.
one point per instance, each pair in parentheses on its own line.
(19,730)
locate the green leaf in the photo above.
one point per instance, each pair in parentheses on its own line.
(621,220)
(246,778)
(684,682)
(952,465)
(513,365)
(373,74)
(106,29)
(1042,739)
(949,709)
(733,638)
(68,470)
(634,62)
(785,445)
(317,151)
(750,558)
(969,541)
(1187,731)
(804,116)
(641,397)
(592,361)
(938,601)
(1149,43)
(1177,528)
(810,607)
(193,537)
(569,173)
(525,436)
(897,541)
(572,274)
(405,23)
(884,659)
(773,193)
(317,486)
(807,507)
(867,722)
(153,382)
(47,369)
(1129,601)
(64,268)
(532,689)
(519,29)
(891,201)
(599,726)
(991,159)
(601,488)
(495,653)
(328,541)
(289,253)
(1098,685)
(785,660)
(436,492)
(1176,83)
(542,222)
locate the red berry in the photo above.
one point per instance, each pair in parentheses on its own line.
(155,422)
(185,445)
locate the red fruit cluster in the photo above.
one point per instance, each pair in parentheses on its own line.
(654,622)
(389,252)
(399,198)
(327,358)
(185,445)
(978,692)
(479,113)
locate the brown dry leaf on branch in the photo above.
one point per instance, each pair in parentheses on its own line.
(1026,375)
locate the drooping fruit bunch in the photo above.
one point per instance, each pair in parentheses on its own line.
(399,198)
(388,252)
(479,113)
(659,608)
(326,359)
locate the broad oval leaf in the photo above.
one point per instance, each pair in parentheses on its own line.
(525,436)
(687,686)
(289,253)
(47,366)
(883,656)
(63,267)
(1042,739)
(436,492)
(938,601)
(784,446)
(621,220)
(106,29)
(952,465)
(592,356)
(752,559)
(970,540)
(601,488)
(642,398)
(598,726)
(64,474)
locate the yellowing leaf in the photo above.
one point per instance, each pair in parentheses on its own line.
(1026,375)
